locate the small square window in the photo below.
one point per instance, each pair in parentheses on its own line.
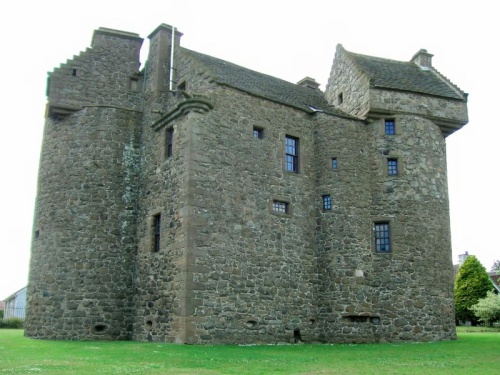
(134,84)
(335,164)
(382,238)
(390,127)
(392,167)
(327,203)
(280,207)
(258,132)
(169,142)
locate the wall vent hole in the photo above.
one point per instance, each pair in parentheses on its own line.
(99,328)
(251,324)
(149,324)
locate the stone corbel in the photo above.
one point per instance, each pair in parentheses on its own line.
(198,105)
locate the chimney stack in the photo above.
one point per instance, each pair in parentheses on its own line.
(423,58)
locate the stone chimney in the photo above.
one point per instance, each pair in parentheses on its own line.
(423,58)
(128,44)
(160,47)
(309,83)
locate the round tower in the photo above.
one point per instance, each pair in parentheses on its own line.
(83,249)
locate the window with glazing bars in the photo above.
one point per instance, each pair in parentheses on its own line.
(390,127)
(327,203)
(392,167)
(292,154)
(280,207)
(382,238)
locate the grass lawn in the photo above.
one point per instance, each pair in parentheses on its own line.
(475,352)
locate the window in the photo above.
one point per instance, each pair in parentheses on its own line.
(335,164)
(390,127)
(292,154)
(340,99)
(327,203)
(156,232)
(258,132)
(169,147)
(134,84)
(392,167)
(382,238)
(280,207)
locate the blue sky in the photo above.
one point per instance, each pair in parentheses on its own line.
(287,39)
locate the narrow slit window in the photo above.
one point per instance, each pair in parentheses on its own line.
(169,147)
(156,232)
(340,99)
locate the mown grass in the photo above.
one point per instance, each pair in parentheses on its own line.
(472,353)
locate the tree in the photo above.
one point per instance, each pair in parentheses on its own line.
(472,284)
(488,309)
(496,266)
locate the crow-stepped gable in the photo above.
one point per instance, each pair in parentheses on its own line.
(197,201)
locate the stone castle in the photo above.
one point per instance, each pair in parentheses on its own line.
(197,201)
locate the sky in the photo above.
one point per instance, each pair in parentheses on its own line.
(287,39)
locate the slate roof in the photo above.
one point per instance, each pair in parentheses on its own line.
(406,76)
(265,86)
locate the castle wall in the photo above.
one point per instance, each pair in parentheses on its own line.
(252,270)
(134,239)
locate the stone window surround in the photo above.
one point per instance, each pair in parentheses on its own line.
(400,162)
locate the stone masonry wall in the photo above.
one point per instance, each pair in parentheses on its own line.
(348,80)
(253,271)
(84,241)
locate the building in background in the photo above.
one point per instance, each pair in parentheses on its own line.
(15,305)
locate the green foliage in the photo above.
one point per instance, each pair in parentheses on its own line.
(1,314)
(471,354)
(472,284)
(15,323)
(488,309)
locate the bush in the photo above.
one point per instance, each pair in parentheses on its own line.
(488,309)
(15,323)
(1,314)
